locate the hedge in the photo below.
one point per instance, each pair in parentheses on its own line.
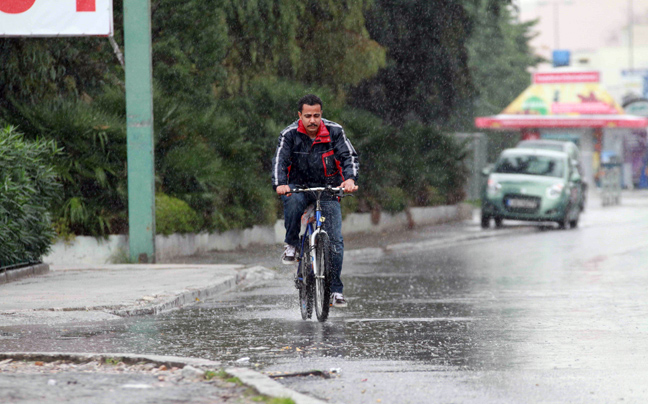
(29,187)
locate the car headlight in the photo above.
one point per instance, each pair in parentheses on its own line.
(554,191)
(493,187)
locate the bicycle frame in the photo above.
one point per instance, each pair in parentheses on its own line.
(313,280)
(313,229)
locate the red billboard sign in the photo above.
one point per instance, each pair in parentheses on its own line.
(566,77)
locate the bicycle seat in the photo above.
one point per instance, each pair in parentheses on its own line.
(309,215)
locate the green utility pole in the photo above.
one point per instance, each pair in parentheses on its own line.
(139,120)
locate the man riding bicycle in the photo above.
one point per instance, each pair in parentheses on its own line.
(314,152)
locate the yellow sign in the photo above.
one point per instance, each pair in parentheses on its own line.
(564,99)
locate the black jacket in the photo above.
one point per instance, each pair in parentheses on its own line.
(330,159)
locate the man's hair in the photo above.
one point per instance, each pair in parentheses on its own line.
(310,99)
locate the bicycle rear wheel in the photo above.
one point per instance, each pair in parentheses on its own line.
(306,288)
(322,277)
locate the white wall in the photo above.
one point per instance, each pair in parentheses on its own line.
(114,249)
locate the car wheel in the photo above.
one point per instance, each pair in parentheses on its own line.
(498,222)
(485,221)
(564,222)
(574,222)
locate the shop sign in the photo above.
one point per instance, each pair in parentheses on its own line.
(56,18)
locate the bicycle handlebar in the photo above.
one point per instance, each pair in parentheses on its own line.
(336,191)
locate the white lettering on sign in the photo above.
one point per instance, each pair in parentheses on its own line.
(566,77)
(56,17)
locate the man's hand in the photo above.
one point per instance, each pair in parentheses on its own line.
(283,190)
(349,186)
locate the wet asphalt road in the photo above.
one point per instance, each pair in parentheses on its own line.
(534,314)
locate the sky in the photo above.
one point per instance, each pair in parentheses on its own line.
(582,24)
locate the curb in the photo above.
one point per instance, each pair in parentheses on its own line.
(10,275)
(129,359)
(413,246)
(193,297)
(258,381)
(265,385)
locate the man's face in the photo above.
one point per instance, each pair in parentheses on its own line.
(311,117)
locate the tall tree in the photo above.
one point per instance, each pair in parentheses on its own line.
(428,77)
(499,58)
(317,42)
(427,73)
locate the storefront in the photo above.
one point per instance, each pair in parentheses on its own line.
(571,106)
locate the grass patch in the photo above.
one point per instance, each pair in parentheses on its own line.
(113,361)
(234,380)
(272,400)
(249,392)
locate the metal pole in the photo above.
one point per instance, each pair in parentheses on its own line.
(139,120)
(631,36)
(556,27)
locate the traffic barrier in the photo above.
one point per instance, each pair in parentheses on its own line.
(611,185)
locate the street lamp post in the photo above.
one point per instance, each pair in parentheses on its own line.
(139,127)
(630,35)
(556,17)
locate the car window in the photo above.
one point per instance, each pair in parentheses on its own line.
(530,165)
(544,146)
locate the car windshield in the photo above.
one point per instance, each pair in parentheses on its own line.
(545,146)
(530,165)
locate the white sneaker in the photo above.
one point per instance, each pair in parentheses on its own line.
(288,256)
(338,300)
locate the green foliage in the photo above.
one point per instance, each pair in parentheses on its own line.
(323,42)
(29,188)
(38,69)
(427,76)
(210,160)
(499,58)
(113,361)
(415,159)
(394,199)
(189,43)
(173,215)
(349,205)
(336,48)
(234,380)
(272,400)
(210,374)
(227,76)
(92,169)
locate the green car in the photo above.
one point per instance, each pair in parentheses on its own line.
(534,185)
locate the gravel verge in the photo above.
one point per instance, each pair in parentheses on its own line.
(122,378)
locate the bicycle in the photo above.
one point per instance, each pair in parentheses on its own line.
(313,279)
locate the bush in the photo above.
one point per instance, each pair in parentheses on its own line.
(92,166)
(29,187)
(426,164)
(173,215)
(394,200)
(217,158)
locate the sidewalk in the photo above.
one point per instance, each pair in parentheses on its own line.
(79,294)
(88,294)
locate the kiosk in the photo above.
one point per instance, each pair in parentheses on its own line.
(572,106)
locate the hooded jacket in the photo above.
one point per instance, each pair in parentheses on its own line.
(329,159)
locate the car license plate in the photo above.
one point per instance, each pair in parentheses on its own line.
(522,203)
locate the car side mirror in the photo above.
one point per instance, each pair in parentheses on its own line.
(487,170)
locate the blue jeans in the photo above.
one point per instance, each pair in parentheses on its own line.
(294,207)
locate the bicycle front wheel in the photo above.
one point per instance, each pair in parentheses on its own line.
(322,277)
(306,289)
